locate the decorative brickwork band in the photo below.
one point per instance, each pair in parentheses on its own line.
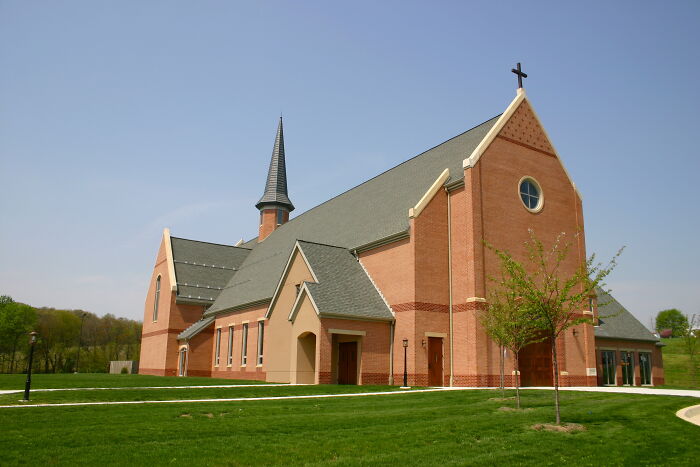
(469,306)
(162,331)
(420,306)
(437,307)
(325,377)
(227,374)
(375,378)
(156,372)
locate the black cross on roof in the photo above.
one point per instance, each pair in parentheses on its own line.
(520,74)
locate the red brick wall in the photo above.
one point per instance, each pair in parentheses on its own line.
(251,370)
(159,344)
(269,222)
(495,213)
(373,355)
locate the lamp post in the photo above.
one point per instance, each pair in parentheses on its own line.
(405,374)
(28,384)
(80,342)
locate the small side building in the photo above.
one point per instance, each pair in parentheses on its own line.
(627,353)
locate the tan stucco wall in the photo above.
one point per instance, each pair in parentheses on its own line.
(279,335)
(305,321)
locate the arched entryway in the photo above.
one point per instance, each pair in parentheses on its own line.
(306,358)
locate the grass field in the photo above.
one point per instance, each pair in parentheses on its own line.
(458,427)
(105,380)
(677,365)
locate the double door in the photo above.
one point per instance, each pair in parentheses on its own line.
(609,365)
(627,361)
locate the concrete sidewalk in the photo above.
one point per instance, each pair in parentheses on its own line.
(16,391)
(627,390)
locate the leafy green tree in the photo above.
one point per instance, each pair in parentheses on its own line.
(552,298)
(16,321)
(691,339)
(672,319)
(509,322)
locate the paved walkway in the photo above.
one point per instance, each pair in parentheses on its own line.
(234,399)
(690,414)
(17,391)
(629,390)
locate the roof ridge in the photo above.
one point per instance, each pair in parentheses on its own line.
(388,170)
(323,244)
(211,243)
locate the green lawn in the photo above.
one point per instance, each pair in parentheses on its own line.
(458,427)
(677,365)
(105,380)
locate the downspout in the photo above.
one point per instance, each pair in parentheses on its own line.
(391,353)
(449,279)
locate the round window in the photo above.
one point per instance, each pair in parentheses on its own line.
(531,194)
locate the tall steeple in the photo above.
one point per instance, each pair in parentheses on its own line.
(275,205)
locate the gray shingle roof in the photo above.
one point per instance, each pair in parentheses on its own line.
(196,328)
(371,211)
(203,269)
(618,323)
(343,288)
(276,185)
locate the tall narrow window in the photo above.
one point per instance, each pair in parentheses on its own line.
(217,352)
(280,217)
(645,367)
(261,337)
(183,362)
(229,358)
(244,345)
(157,299)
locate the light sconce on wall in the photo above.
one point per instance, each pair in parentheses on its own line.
(575,332)
(423,342)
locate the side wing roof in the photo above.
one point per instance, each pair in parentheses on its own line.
(203,269)
(615,322)
(343,289)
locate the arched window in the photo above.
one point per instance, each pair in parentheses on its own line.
(157,298)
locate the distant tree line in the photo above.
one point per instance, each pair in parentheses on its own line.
(68,340)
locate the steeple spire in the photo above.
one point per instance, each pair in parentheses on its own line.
(275,195)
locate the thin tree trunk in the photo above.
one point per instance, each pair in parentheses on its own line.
(14,355)
(555,369)
(502,362)
(517,381)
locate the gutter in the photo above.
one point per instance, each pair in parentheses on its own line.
(449,279)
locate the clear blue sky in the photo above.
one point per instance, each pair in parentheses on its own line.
(120,118)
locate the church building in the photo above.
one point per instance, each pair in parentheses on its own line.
(389,273)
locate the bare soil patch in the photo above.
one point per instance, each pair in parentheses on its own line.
(564,428)
(513,409)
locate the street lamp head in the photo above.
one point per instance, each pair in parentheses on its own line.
(33,335)
(405,342)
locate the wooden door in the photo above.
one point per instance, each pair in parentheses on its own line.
(347,363)
(435,361)
(535,361)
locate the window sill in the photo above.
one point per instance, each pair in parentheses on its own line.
(258,366)
(243,366)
